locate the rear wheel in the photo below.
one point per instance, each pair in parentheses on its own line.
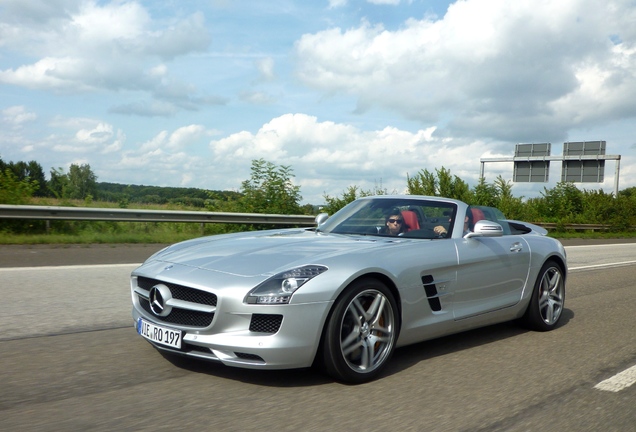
(361,332)
(548,299)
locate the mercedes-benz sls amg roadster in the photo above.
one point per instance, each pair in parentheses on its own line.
(383,272)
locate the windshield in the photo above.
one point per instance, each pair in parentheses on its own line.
(407,217)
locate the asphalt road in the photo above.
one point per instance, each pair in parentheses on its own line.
(70,360)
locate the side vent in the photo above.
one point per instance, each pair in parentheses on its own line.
(431,293)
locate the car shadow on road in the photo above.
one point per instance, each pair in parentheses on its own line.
(408,356)
(403,358)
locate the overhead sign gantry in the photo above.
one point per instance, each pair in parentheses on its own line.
(581,162)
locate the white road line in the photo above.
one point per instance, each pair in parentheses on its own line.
(616,264)
(612,245)
(68,267)
(619,381)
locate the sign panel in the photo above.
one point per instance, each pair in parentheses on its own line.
(531,171)
(583,170)
(584,148)
(525,150)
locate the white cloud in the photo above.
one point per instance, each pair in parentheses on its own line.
(330,157)
(336,3)
(266,68)
(48,73)
(79,135)
(95,46)
(17,116)
(256,97)
(385,2)
(98,135)
(185,136)
(485,67)
(146,108)
(177,140)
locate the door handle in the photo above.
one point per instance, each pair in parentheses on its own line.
(516,247)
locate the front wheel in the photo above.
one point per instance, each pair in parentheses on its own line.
(548,299)
(361,332)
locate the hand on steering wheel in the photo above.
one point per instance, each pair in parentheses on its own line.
(440,231)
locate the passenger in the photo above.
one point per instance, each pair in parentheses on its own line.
(468,225)
(394,223)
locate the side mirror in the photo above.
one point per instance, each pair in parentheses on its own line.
(321,218)
(486,228)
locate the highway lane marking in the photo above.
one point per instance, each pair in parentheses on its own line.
(602,245)
(68,267)
(619,381)
(617,264)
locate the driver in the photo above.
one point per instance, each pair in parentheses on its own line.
(394,223)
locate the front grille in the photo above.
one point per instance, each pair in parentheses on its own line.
(180,292)
(180,316)
(265,323)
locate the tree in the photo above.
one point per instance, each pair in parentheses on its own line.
(562,203)
(424,183)
(28,171)
(58,184)
(270,190)
(13,190)
(82,181)
(79,183)
(484,194)
(334,203)
(510,205)
(351,194)
(35,173)
(442,183)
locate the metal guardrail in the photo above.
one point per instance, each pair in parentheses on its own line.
(130,215)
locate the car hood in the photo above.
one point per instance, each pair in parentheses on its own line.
(258,253)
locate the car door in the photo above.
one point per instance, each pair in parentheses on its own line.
(492,272)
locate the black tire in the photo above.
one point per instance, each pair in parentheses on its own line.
(548,299)
(360,333)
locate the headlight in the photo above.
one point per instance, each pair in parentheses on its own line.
(279,288)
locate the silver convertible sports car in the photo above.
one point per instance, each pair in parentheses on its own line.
(381,273)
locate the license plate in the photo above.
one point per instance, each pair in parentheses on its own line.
(158,334)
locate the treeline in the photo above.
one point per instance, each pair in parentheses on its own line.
(189,197)
(21,180)
(270,189)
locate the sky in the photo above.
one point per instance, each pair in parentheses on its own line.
(187,93)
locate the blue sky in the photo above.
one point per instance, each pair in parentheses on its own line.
(346,92)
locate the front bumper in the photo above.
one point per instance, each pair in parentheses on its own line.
(230,341)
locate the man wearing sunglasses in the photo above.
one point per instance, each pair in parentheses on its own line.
(394,223)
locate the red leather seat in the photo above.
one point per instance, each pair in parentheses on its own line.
(410,219)
(477,216)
